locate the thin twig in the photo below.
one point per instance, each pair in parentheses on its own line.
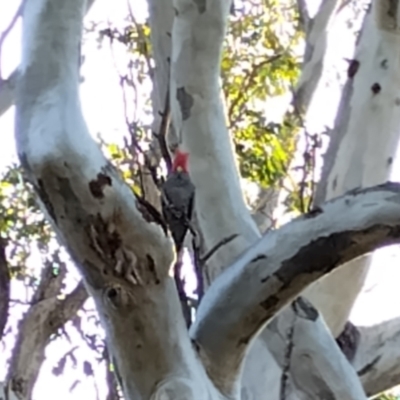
(162,134)
(213,250)
(287,361)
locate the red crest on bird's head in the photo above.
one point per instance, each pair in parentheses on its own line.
(180,163)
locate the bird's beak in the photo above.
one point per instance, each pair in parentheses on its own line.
(179,169)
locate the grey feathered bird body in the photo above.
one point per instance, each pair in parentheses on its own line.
(177,205)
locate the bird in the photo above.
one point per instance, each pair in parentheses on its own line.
(177,199)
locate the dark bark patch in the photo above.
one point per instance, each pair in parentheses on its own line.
(195,345)
(389,161)
(384,64)
(19,386)
(392,7)
(112,293)
(324,254)
(313,213)
(97,185)
(244,341)
(364,370)
(258,258)
(150,213)
(270,303)
(185,101)
(354,65)
(266,279)
(334,183)
(304,309)
(108,242)
(348,340)
(201,6)
(44,197)
(376,88)
(151,265)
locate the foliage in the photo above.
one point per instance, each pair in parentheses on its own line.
(261,62)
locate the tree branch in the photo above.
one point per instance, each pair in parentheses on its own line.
(42,320)
(356,156)
(8,86)
(283,263)
(318,368)
(117,240)
(198,115)
(377,356)
(316,45)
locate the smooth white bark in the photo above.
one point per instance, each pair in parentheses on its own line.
(116,240)
(122,249)
(8,86)
(198,116)
(363,146)
(377,357)
(280,265)
(315,52)
(315,370)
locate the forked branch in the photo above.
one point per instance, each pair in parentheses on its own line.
(117,240)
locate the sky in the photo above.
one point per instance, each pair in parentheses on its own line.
(103,110)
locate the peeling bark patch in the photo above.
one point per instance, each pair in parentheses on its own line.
(185,101)
(364,370)
(348,340)
(106,242)
(201,6)
(354,65)
(313,213)
(97,185)
(376,88)
(304,309)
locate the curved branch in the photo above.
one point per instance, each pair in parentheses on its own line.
(117,240)
(283,263)
(198,115)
